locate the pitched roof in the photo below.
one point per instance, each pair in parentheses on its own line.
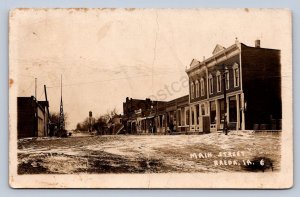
(217,49)
(194,62)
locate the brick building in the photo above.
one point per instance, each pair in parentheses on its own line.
(139,115)
(251,77)
(155,117)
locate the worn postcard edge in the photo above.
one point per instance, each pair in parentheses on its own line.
(279,180)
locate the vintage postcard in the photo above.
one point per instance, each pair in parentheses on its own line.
(150,98)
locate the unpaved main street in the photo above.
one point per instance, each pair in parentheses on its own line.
(214,152)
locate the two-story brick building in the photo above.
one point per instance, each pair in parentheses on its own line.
(156,117)
(143,116)
(252,80)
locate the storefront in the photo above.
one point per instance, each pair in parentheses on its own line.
(233,113)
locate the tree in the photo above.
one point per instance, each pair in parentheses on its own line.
(112,113)
(54,117)
(100,124)
(83,126)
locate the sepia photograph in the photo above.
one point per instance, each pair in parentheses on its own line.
(150,98)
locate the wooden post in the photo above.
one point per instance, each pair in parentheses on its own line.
(225,102)
(238,111)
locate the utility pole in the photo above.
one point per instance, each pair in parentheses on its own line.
(225,129)
(35,87)
(48,114)
(45,89)
(61,115)
(156,119)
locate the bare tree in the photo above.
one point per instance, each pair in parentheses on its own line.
(83,126)
(100,124)
(111,113)
(54,117)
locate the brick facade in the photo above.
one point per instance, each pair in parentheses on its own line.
(252,77)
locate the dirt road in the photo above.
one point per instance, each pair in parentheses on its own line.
(214,152)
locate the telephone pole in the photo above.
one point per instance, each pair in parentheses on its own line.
(225,129)
(61,115)
(35,87)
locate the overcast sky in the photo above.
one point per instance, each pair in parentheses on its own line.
(106,55)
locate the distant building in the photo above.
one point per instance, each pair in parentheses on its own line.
(138,115)
(152,120)
(155,117)
(115,124)
(252,80)
(178,114)
(116,119)
(32,117)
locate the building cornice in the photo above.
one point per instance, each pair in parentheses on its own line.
(213,60)
(216,97)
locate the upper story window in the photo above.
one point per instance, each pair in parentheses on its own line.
(202,87)
(197,88)
(219,81)
(211,83)
(236,75)
(192,90)
(227,79)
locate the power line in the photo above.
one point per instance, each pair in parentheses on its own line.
(92,82)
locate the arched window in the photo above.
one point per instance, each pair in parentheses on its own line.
(226,78)
(236,75)
(192,90)
(197,88)
(202,87)
(219,81)
(211,83)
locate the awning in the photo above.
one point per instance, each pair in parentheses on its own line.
(139,119)
(144,118)
(149,117)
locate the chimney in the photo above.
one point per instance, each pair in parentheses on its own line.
(257,43)
(236,41)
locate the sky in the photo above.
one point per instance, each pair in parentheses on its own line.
(106,55)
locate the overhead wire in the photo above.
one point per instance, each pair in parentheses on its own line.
(121,78)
